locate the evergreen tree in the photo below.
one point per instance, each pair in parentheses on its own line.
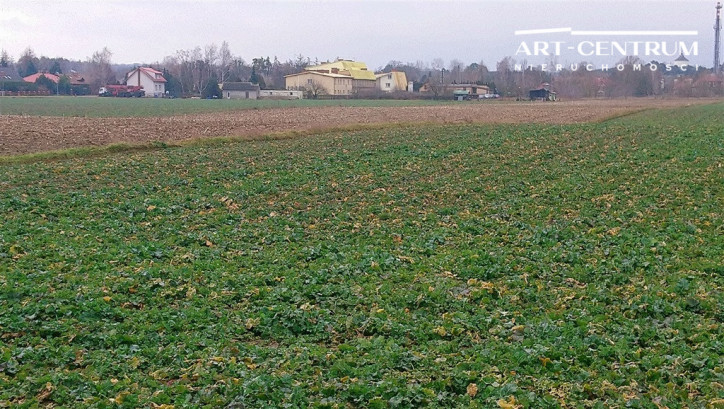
(212,89)
(27,63)
(257,79)
(4,59)
(64,86)
(173,85)
(46,83)
(55,68)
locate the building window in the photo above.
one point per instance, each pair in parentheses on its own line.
(389,76)
(309,81)
(387,85)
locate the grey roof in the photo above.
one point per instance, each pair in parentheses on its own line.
(681,58)
(9,74)
(240,86)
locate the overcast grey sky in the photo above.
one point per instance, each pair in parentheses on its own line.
(139,31)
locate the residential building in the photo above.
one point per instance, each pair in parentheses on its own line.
(151,80)
(240,90)
(542,93)
(706,85)
(392,81)
(9,80)
(78,84)
(34,77)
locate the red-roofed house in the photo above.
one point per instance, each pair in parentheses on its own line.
(78,84)
(151,80)
(34,77)
(708,85)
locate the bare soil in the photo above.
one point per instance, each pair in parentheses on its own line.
(30,134)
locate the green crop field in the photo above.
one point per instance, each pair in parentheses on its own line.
(96,107)
(533,266)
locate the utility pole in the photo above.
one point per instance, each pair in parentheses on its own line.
(717,35)
(442,81)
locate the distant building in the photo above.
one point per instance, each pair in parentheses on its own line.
(681,61)
(78,84)
(470,91)
(9,74)
(280,94)
(320,84)
(392,81)
(9,80)
(151,80)
(240,90)
(341,78)
(542,93)
(474,90)
(709,85)
(34,77)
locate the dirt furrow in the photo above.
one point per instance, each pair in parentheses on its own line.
(26,134)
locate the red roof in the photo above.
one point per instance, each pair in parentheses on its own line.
(76,79)
(155,75)
(34,77)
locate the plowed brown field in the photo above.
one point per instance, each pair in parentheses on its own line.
(31,134)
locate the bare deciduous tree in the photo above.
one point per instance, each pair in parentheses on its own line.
(101,72)
(225,60)
(456,70)
(438,64)
(438,84)
(315,89)
(476,73)
(504,76)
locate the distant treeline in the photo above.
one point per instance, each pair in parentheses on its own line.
(190,72)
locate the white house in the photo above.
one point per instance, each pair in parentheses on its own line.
(151,80)
(392,81)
